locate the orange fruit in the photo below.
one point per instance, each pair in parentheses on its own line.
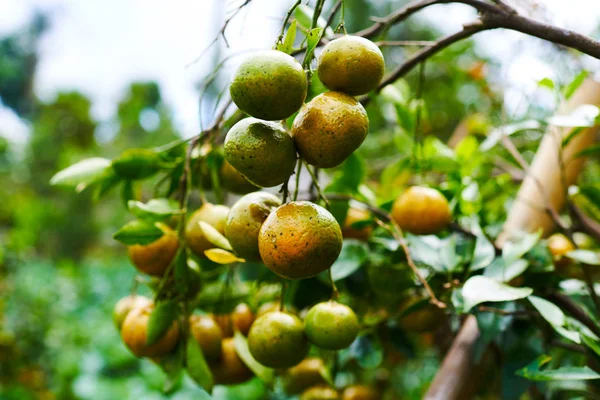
(208,335)
(214,215)
(422,211)
(277,340)
(242,318)
(360,392)
(329,128)
(155,258)
(125,305)
(134,332)
(299,240)
(262,151)
(303,375)
(331,325)
(244,221)
(234,181)
(230,369)
(356,215)
(351,64)
(320,392)
(269,85)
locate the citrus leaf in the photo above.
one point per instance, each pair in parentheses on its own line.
(160,321)
(575,83)
(313,38)
(221,256)
(534,373)
(354,253)
(500,271)
(197,366)
(367,350)
(288,42)
(483,255)
(138,232)
(241,347)
(585,256)
(548,311)
(516,247)
(83,173)
(591,343)
(214,236)
(154,209)
(480,289)
(304,14)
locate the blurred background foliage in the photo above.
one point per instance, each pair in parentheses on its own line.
(61,272)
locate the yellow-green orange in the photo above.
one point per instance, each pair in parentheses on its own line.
(306,374)
(351,64)
(234,181)
(208,335)
(360,392)
(320,392)
(262,151)
(134,333)
(214,215)
(356,215)
(244,221)
(299,240)
(277,340)
(329,128)
(154,258)
(421,210)
(269,85)
(125,305)
(331,325)
(230,369)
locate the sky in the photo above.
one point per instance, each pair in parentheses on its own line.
(100,46)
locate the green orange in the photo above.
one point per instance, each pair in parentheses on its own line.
(262,151)
(244,221)
(329,128)
(331,325)
(269,85)
(351,64)
(299,240)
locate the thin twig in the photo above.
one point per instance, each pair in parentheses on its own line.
(575,310)
(285,21)
(589,281)
(298,170)
(316,185)
(334,11)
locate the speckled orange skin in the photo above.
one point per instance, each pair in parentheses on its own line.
(356,215)
(230,370)
(154,258)
(214,215)
(269,85)
(320,392)
(134,332)
(277,340)
(303,375)
(352,65)
(421,211)
(234,181)
(244,221)
(262,151)
(331,325)
(329,128)
(125,305)
(299,240)
(208,335)
(360,392)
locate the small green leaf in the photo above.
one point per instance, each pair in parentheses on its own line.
(480,289)
(548,311)
(83,173)
(127,192)
(484,253)
(534,373)
(154,209)
(197,366)
(591,343)
(221,256)
(547,83)
(500,271)
(517,246)
(575,83)
(585,256)
(214,236)
(241,347)
(367,350)
(161,319)
(288,42)
(136,164)
(138,232)
(426,250)
(354,253)
(313,38)
(304,15)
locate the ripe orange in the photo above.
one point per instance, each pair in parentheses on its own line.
(422,211)
(356,215)
(230,370)
(303,375)
(125,305)
(208,335)
(154,258)
(134,332)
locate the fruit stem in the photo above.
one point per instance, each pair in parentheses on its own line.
(298,169)
(282,299)
(335,294)
(315,182)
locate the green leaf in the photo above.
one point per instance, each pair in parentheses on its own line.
(160,321)
(197,366)
(154,209)
(426,250)
(589,151)
(484,253)
(214,236)
(172,366)
(354,254)
(83,173)
(136,164)
(127,192)
(500,271)
(534,373)
(288,42)
(548,311)
(241,347)
(547,83)
(304,14)
(585,256)
(585,115)
(575,83)
(517,246)
(181,270)
(313,38)
(367,350)
(591,342)
(480,289)
(138,232)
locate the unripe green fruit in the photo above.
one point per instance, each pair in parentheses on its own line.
(331,325)
(277,340)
